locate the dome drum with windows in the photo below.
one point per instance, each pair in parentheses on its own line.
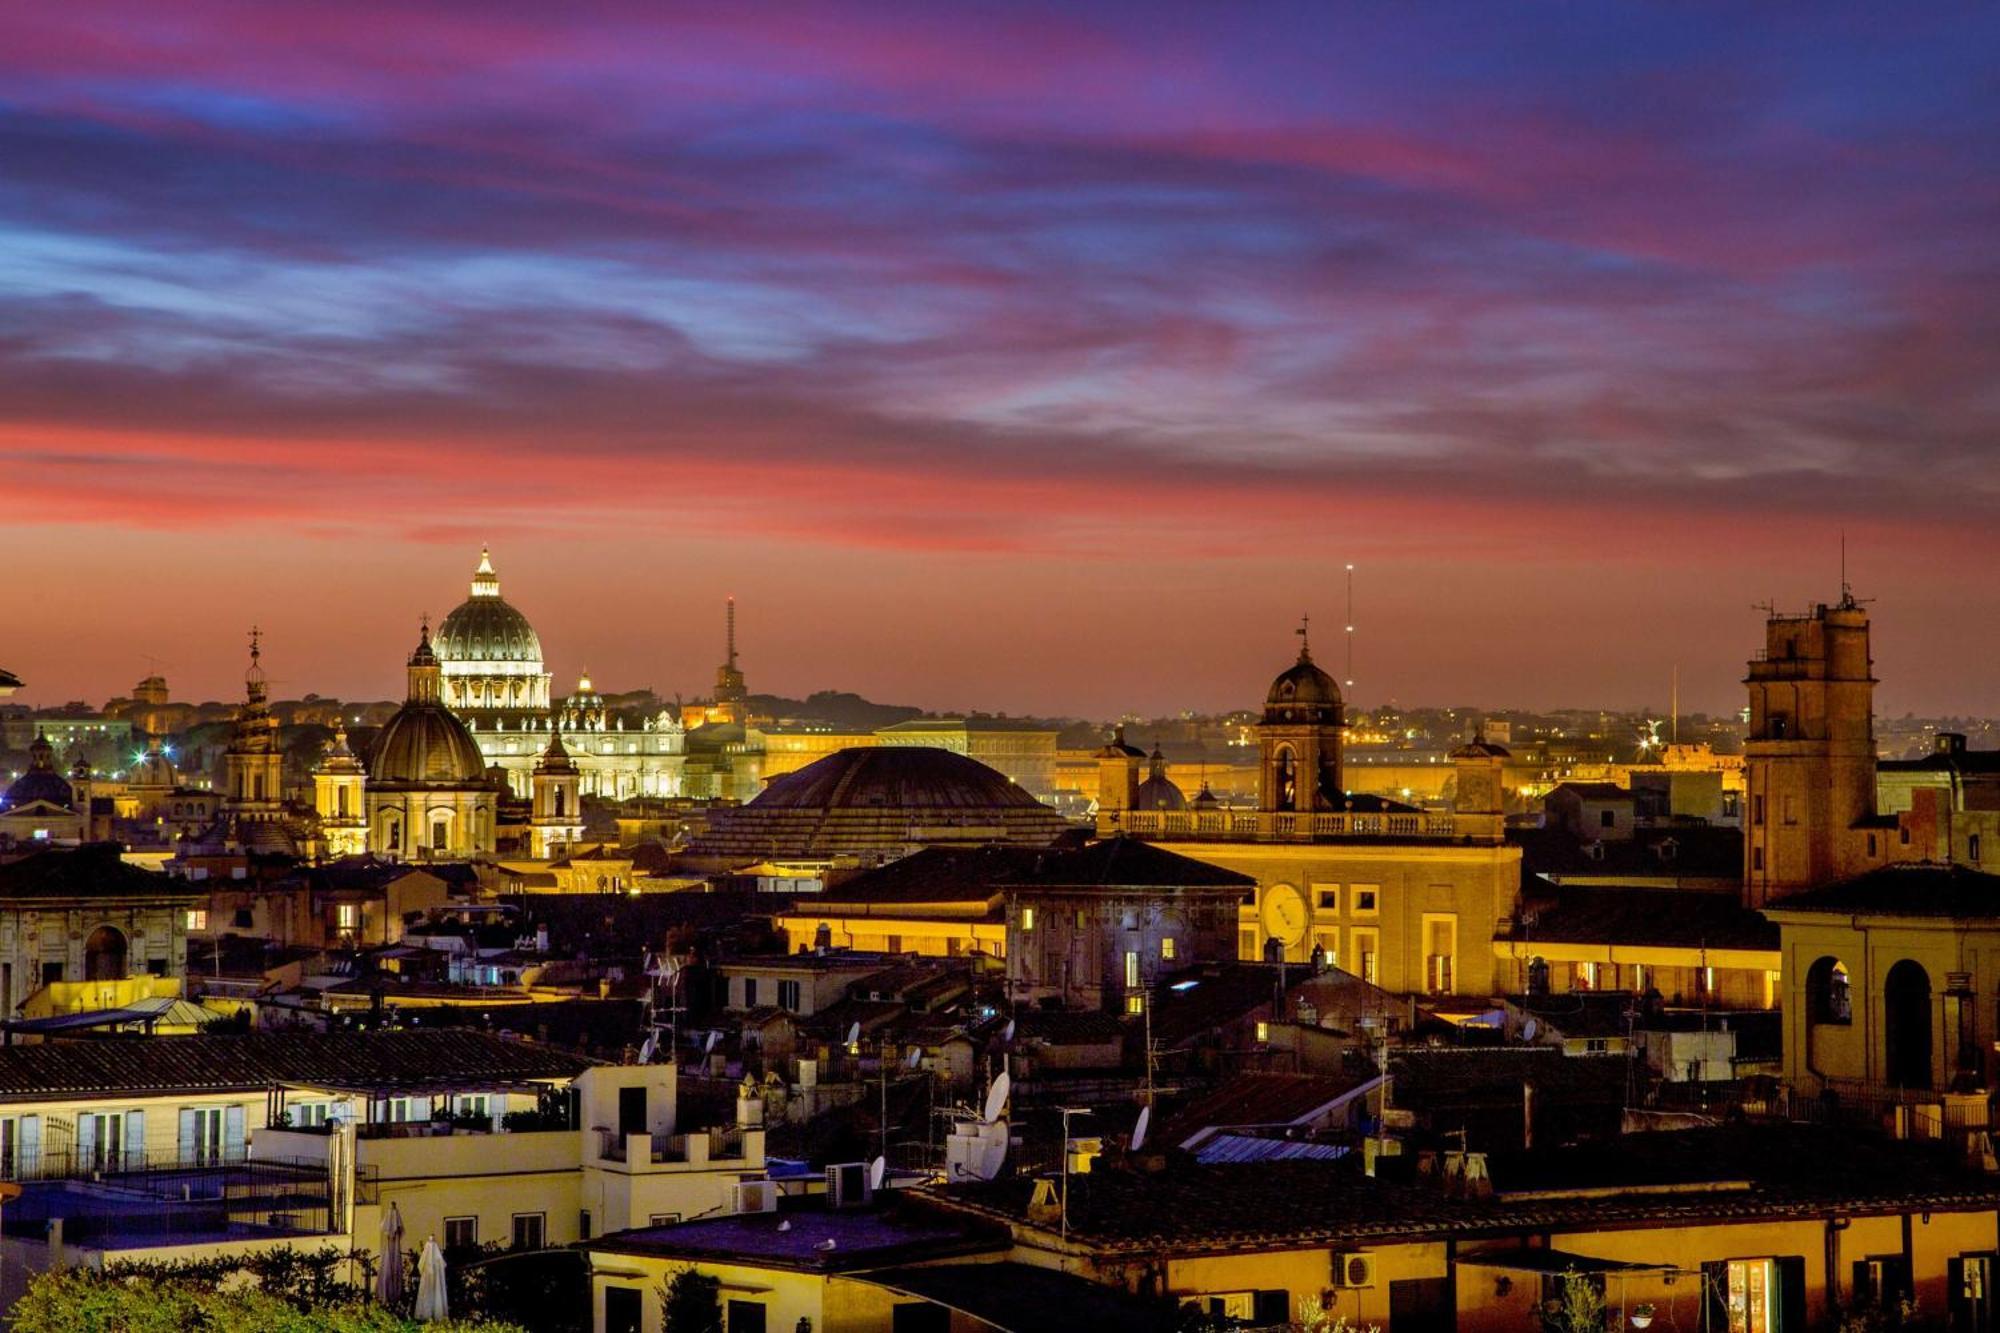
(490,656)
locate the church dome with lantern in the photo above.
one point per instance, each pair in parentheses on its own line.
(490,655)
(424,744)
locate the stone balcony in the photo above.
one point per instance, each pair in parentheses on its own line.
(1282,826)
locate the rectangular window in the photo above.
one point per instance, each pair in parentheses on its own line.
(197,918)
(1328,942)
(1263,1031)
(1757,858)
(583,1225)
(1135,1004)
(749,992)
(1367,948)
(1131,968)
(1166,948)
(1366,898)
(1440,952)
(1751,1296)
(662,1219)
(527,1231)
(1027,918)
(788,995)
(1246,946)
(347,916)
(1756,809)
(1328,896)
(461,1233)
(1791,810)
(1584,976)
(745,1317)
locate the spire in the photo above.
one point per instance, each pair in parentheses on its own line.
(253,679)
(424,672)
(1305,638)
(485,583)
(730,660)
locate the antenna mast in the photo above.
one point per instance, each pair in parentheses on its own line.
(1347,676)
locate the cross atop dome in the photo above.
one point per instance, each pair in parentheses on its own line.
(1305,638)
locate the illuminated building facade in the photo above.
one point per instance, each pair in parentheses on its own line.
(427,793)
(1406,899)
(493,676)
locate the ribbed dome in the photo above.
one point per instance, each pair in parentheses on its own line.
(1159,792)
(426,744)
(487,629)
(1303,693)
(898,777)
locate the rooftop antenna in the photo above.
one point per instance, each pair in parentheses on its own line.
(1347,681)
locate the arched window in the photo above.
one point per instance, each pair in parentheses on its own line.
(1829,995)
(561,798)
(104,955)
(1287,779)
(1906,1025)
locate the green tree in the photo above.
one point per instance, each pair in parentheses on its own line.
(84,1301)
(690,1302)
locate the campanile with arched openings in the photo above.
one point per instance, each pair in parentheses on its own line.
(1300,738)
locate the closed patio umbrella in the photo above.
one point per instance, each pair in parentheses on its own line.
(389,1277)
(431,1301)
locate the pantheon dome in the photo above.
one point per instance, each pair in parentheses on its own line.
(877,803)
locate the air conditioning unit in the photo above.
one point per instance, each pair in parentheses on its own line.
(1353,1271)
(847,1185)
(754,1196)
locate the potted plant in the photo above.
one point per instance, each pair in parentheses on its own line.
(1642,1314)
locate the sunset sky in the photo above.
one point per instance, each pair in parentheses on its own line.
(1038,358)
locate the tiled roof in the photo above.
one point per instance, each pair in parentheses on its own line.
(1779,1172)
(94,870)
(1905,890)
(386,1060)
(980,874)
(1667,918)
(1685,851)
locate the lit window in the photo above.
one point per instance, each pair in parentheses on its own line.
(347,916)
(1263,1031)
(1135,1004)
(1131,968)
(1167,949)
(1027,918)
(197,918)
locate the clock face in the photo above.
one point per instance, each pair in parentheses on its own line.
(1284,914)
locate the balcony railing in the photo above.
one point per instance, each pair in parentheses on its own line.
(1286,826)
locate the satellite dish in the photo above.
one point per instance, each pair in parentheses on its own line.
(649,1048)
(916,1056)
(1529,1029)
(876,1170)
(1139,1129)
(996,1097)
(1007,1033)
(709,1045)
(853,1032)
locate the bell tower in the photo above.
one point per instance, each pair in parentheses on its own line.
(1300,738)
(1809,756)
(555,820)
(253,766)
(1118,773)
(339,783)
